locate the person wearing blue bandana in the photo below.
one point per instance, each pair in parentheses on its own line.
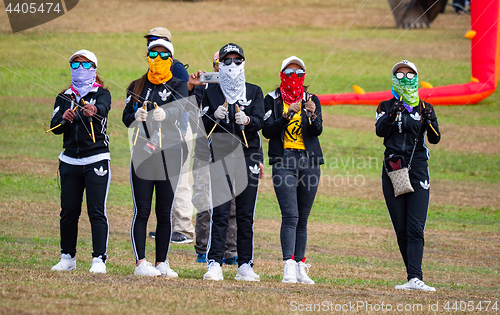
(403,122)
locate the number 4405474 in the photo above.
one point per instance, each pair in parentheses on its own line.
(470,306)
(33,8)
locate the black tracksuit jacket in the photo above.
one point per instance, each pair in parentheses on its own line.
(77,141)
(399,137)
(213,97)
(275,125)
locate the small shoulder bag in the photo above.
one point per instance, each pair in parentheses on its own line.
(399,175)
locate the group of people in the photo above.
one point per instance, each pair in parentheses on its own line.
(226,117)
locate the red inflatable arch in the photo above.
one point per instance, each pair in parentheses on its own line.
(485,56)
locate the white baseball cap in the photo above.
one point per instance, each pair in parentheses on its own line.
(162,43)
(292,59)
(404,63)
(84,53)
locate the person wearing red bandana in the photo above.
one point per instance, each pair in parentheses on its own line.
(292,123)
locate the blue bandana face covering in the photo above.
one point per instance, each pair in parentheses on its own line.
(83,80)
(407,88)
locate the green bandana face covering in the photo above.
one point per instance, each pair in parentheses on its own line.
(406,88)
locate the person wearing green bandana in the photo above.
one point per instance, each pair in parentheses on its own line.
(403,122)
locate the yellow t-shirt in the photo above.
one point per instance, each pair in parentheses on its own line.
(293,132)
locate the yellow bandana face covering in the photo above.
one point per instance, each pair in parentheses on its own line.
(159,70)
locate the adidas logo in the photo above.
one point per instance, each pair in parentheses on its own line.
(164,94)
(377,115)
(55,111)
(128,99)
(415,116)
(425,185)
(100,171)
(255,169)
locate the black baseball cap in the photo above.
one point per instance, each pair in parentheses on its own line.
(230,49)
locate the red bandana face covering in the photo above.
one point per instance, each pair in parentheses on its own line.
(292,88)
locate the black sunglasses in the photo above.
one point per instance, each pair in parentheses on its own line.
(409,75)
(237,61)
(85,64)
(163,55)
(288,72)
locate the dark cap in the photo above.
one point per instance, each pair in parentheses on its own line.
(230,49)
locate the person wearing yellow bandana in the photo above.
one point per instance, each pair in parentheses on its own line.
(152,112)
(403,122)
(293,123)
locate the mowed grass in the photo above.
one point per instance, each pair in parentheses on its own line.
(351,244)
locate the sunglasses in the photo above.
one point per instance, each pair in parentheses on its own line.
(237,61)
(152,38)
(163,55)
(409,75)
(85,64)
(288,72)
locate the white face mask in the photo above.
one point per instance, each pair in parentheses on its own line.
(232,82)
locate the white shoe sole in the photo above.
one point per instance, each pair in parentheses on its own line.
(72,268)
(97,271)
(242,278)
(289,281)
(214,279)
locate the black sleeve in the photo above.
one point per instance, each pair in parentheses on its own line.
(434,136)
(128,115)
(316,126)
(60,106)
(382,126)
(272,127)
(178,107)
(208,118)
(103,103)
(257,115)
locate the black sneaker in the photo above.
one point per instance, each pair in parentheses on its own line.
(179,238)
(152,234)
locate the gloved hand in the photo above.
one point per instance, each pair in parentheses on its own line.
(141,114)
(159,114)
(221,112)
(241,118)
(69,115)
(311,107)
(295,108)
(397,107)
(428,114)
(89,110)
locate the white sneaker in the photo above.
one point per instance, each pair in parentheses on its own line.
(214,272)
(164,268)
(290,273)
(66,264)
(415,284)
(98,266)
(302,276)
(246,273)
(146,269)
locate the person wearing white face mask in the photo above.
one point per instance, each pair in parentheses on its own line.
(84,164)
(235,114)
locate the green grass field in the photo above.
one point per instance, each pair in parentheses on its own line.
(351,244)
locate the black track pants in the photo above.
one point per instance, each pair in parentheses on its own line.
(94,179)
(142,195)
(245,210)
(408,214)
